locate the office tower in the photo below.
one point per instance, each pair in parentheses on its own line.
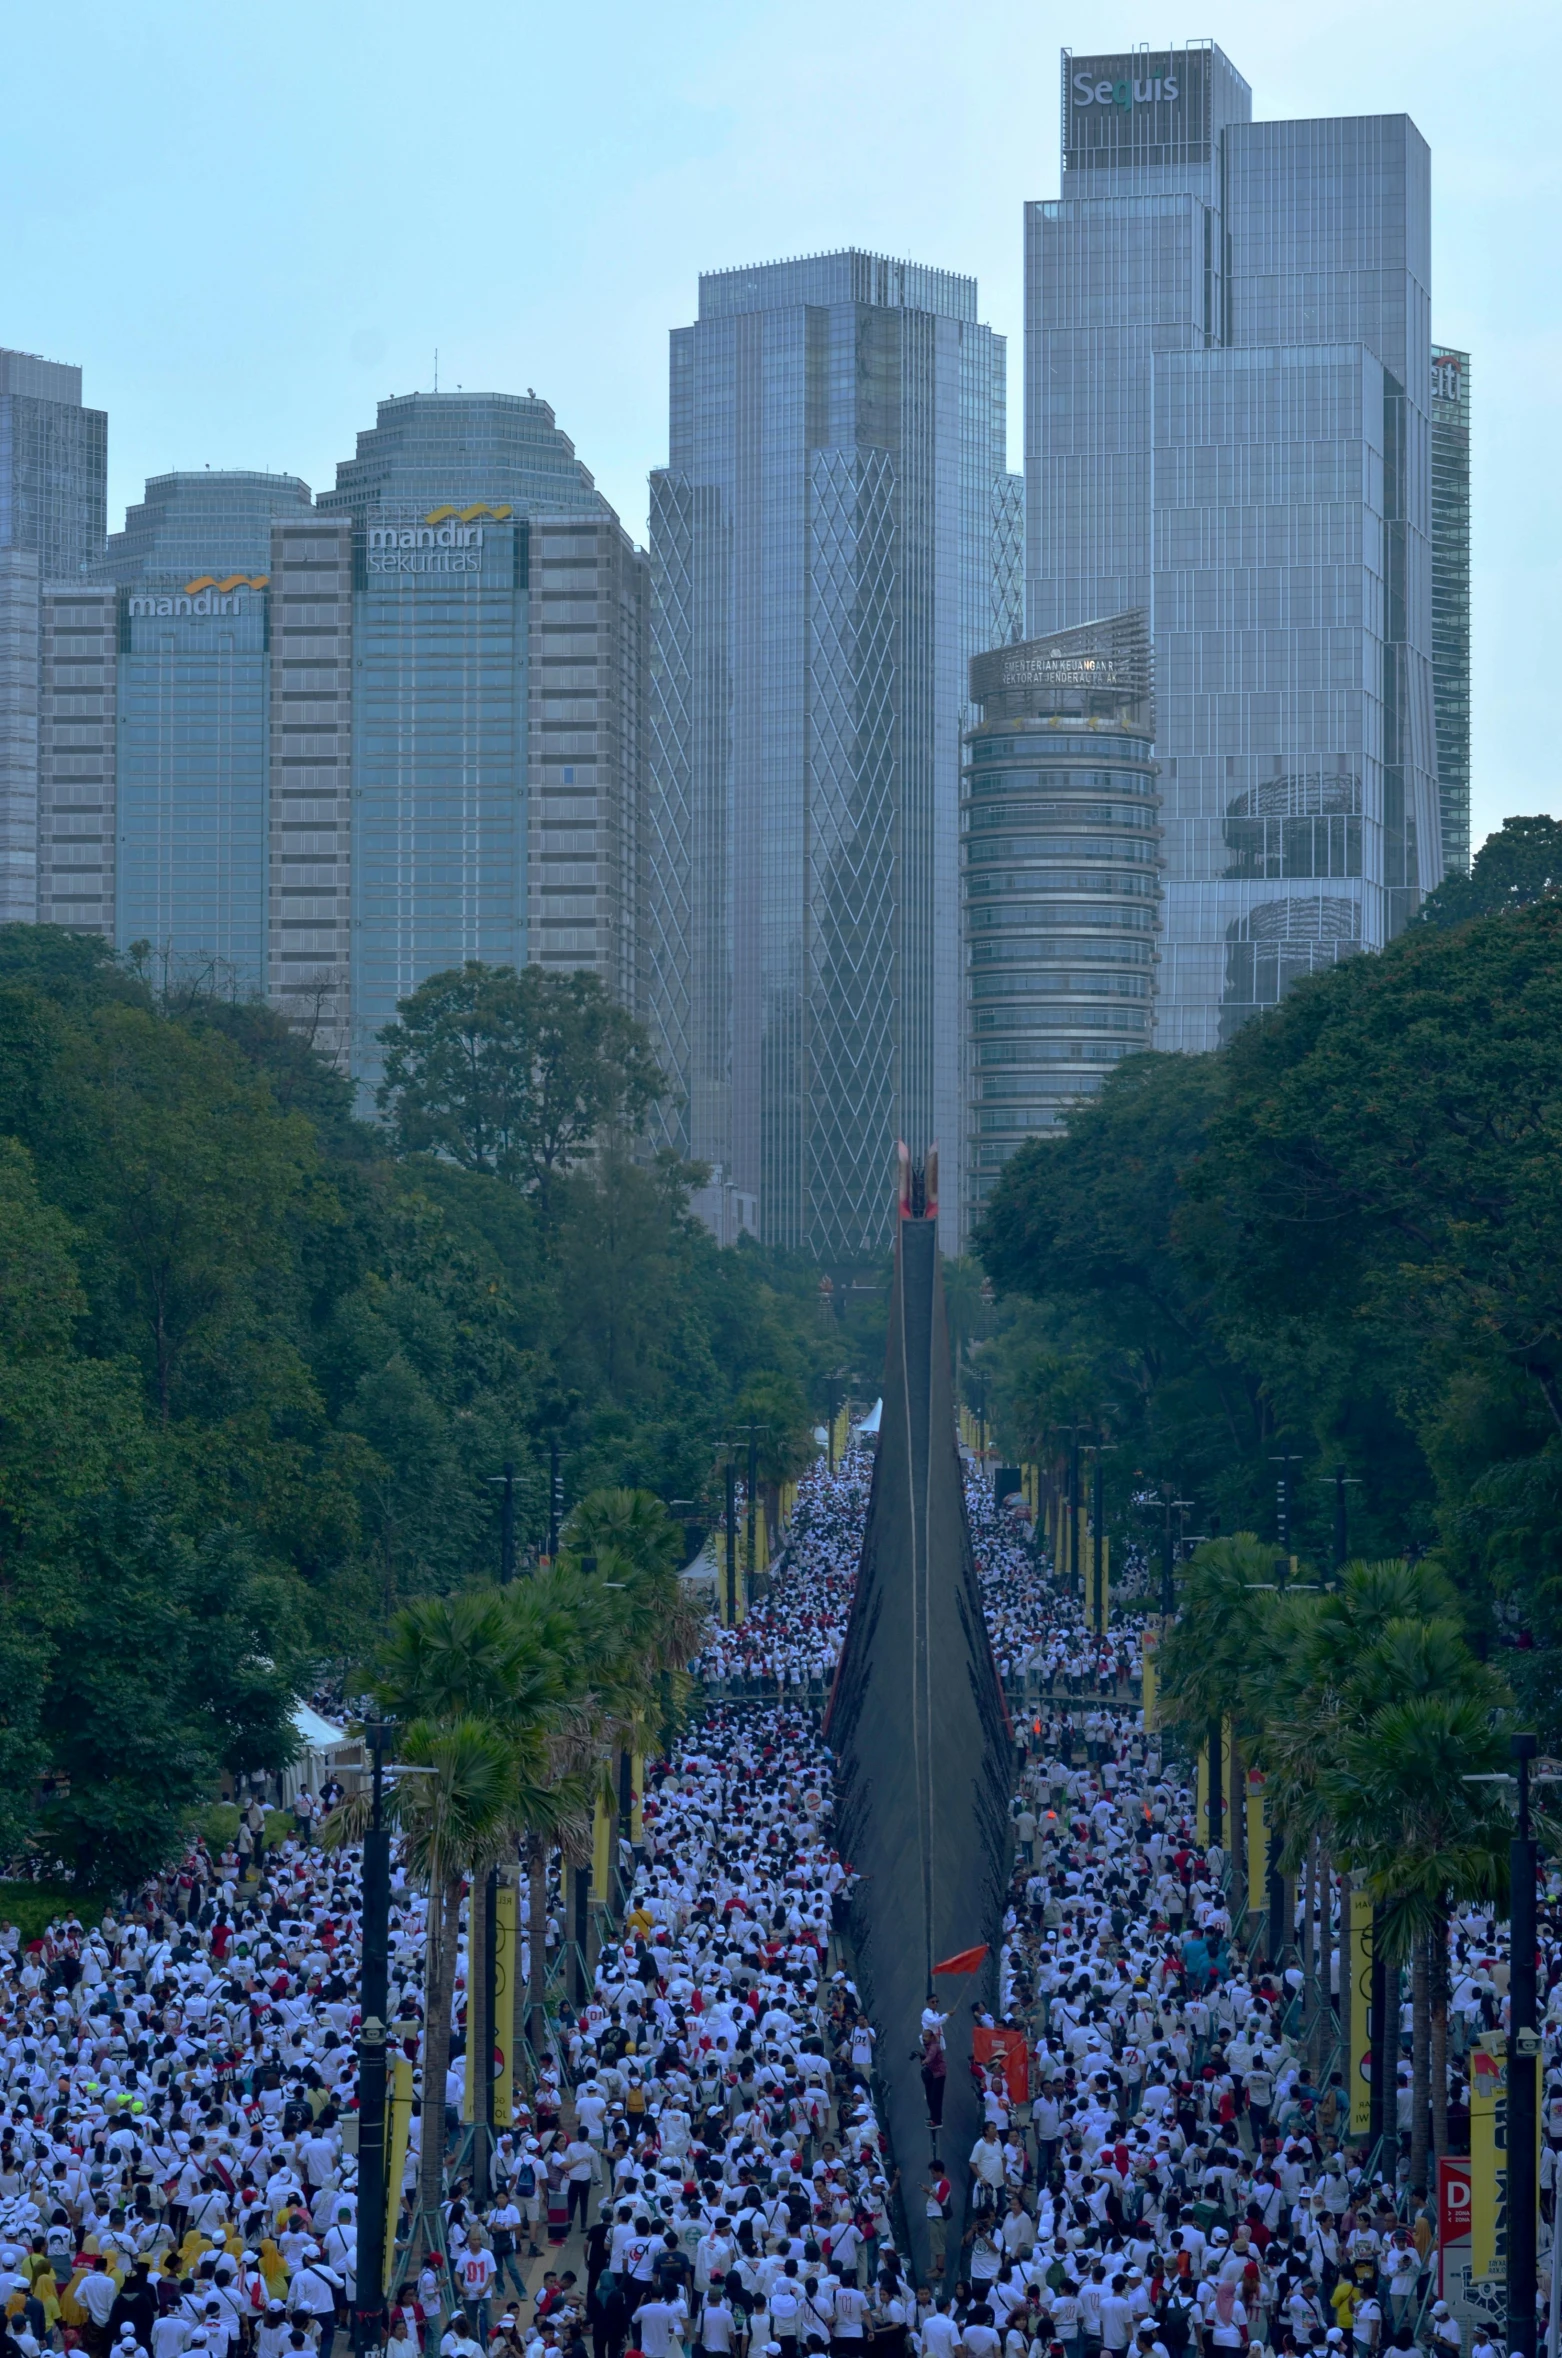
(309,778)
(1451,597)
(77,708)
(18,736)
(831,540)
(53,465)
(203,520)
(53,507)
(500,666)
(192,570)
(1227,423)
(1061,877)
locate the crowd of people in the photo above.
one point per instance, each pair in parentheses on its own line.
(699,2166)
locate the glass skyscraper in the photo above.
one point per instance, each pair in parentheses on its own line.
(1451,596)
(1227,423)
(53,465)
(1061,878)
(53,512)
(192,573)
(499,630)
(833,537)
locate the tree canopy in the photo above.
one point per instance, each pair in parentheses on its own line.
(1331,1246)
(261,1363)
(1521,863)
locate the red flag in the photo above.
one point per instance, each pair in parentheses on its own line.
(1009,2048)
(964,1961)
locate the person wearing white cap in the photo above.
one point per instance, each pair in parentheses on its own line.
(316,2289)
(1447,2335)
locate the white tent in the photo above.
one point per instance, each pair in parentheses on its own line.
(322,1750)
(868,1430)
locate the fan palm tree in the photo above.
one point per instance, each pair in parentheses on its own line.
(1425,1838)
(456,1821)
(1209,1657)
(634,1523)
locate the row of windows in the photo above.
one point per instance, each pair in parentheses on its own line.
(1067,814)
(1053,847)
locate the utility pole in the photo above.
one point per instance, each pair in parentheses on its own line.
(1523,2050)
(369,2299)
(555,1497)
(1098,1539)
(485,1915)
(1523,2065)
(506,1522)
(1168,1575)
(732,1541)
(1073,1506)
(1289,1458)
(1341,1482)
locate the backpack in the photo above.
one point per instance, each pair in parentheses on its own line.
(525,2179)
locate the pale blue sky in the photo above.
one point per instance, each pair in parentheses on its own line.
(248,225)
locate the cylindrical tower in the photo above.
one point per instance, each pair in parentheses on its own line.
(1060,879)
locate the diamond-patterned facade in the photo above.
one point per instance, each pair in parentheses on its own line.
(853,774)
(832,517)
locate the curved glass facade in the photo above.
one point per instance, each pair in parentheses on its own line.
(1061,891)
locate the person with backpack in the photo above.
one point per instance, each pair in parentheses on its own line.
(526,2194)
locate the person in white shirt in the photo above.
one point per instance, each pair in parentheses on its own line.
(661,2322)
(716,2326)
(940,2334)
(851,2312)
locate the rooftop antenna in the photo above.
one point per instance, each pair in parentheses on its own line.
(436,368)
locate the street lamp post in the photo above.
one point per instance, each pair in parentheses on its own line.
(369,2301)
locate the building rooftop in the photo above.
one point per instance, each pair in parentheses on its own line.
(849,276)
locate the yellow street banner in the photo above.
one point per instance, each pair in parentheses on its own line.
(506,1962)
(1489,2158)
(398,2133)
(601,1861)
(1148,1693)
(1359,2028)
(1257,1845)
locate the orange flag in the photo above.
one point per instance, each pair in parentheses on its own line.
(964,1961)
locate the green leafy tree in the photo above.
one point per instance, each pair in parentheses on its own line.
(516,1073)
(183,1196)
(171,1663)
(1388,1147)
(1521,863)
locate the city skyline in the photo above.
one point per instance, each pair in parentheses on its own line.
(275,367)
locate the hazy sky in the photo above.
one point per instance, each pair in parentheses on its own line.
(248,225)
